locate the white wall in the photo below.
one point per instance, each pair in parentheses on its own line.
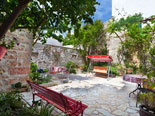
(146,7)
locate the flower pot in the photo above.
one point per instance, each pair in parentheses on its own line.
(129,70)
(145,112)
(2,51)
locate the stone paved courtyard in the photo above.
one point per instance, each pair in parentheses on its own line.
(104,97)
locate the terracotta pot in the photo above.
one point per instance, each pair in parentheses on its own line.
(144,112)
(2,51)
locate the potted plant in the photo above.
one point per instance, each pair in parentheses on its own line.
(147,98)
(7,45)
(71,67)
(2,51)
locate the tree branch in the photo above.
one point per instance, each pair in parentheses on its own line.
(148,19)
(118,36)
(25,27)
(12,18)
(41,22)
(35,41)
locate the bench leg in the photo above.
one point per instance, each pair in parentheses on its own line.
(33,100)
(82,113)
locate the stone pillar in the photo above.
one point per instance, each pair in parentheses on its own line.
(15,65)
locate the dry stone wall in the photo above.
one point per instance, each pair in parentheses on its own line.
(46,56)
(15,65)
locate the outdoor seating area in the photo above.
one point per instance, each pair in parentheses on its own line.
(77,58)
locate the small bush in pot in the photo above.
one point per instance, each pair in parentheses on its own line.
(71,67)
(7,44)
(147,98)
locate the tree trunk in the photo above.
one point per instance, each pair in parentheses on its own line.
(12,18)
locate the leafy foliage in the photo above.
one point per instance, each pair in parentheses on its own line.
(45,18)
(148,99)
(137,38)
(88,41)
(12,104)
(45,110)
(17,86)
(152,59)
(9,44)
(35,74)
(71,67)
(114,70)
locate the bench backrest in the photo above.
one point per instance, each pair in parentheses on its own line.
(62,102)
(53,96)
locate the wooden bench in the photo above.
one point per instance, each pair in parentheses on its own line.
(67,105)
(98,69)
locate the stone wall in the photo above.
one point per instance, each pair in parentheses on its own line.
(15,65)
(46,55)
(113,44)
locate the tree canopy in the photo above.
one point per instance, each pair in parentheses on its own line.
(137,37)
(45,17)
(91,39)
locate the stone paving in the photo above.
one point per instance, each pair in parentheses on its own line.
(104,97)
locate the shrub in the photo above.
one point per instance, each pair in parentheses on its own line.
(45,70)
(35,74)
(114,71)
(85,68)
(148,98)
(71,67)
(12,104)
(104,64)
(44,80)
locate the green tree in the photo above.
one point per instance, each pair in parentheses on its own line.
(137,37)
(44,17)
(90,40)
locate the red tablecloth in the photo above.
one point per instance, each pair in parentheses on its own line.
(134,78)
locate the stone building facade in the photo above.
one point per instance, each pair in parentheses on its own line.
(15,65)
(46,55)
